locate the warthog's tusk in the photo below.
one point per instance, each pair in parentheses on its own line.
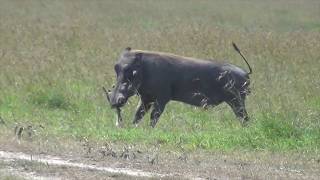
(119,118)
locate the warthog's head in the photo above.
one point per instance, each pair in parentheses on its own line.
(129,77)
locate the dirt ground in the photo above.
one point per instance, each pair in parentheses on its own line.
(152,161)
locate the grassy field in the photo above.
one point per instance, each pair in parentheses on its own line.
(56,55)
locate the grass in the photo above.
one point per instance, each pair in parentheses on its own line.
(56,55)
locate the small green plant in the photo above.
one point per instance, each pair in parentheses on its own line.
(52,99)
(278,128)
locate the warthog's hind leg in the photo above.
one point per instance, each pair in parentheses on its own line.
(237,104)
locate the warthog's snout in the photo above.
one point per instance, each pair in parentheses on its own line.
(120,100)
(115,101)
(119,118)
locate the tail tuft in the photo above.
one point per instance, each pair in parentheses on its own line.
(238,50)
(235,47)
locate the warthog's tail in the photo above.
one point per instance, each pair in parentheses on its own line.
(238,50)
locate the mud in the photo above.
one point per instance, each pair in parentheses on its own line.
(56,161)
(20,173)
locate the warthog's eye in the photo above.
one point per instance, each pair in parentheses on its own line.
(124,86)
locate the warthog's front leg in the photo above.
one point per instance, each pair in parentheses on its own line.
(158,108)
(119,122)
(142,109)
(119,118)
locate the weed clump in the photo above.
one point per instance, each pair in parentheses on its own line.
(50,99)
(277,128)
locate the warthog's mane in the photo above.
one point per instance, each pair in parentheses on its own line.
(170,55)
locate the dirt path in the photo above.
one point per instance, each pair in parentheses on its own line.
(19,173)
(52,158)
(57,161)
(46,167)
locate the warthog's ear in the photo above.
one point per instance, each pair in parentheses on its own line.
(137,58)
(126,50)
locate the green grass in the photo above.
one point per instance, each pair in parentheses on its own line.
(56,55)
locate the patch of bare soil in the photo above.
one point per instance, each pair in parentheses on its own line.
(24,169)
(148,161)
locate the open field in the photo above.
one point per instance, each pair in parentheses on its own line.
(55,56)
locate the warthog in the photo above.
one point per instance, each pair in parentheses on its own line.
(158,77)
